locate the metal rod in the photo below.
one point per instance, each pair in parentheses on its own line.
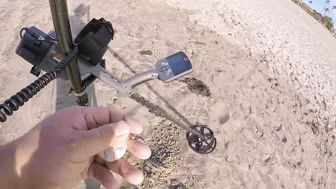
(59,12)
(140,78)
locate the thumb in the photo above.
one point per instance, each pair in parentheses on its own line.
(96,140)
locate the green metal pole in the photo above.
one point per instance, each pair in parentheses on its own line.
(60,17)
(59,12)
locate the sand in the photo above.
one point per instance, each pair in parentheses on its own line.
(268,67)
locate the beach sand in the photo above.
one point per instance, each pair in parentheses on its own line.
(268,94)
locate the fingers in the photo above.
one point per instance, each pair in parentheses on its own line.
(123,168)
(135,126)
(94,117)
(101,173)
(96,140)
(91,142)
(102,134)
(98,116)
(135,147)
(138,149)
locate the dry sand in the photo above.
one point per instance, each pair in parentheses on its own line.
(268,65)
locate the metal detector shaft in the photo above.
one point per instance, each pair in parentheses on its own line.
(158,111)
(59,12)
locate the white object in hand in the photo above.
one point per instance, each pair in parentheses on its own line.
(114,153)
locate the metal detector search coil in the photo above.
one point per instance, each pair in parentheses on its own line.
(200,146)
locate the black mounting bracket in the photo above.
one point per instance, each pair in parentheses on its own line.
(93,40)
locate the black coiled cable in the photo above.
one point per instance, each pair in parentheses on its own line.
(17,100)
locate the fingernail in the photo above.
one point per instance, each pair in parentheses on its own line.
(121,129)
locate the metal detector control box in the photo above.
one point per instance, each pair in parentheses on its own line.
(39,49)
(173,67)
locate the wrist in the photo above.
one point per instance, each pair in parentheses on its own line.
(8,174)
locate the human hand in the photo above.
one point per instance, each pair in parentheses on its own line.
(61,150)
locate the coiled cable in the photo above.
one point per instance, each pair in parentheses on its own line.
(13,103)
